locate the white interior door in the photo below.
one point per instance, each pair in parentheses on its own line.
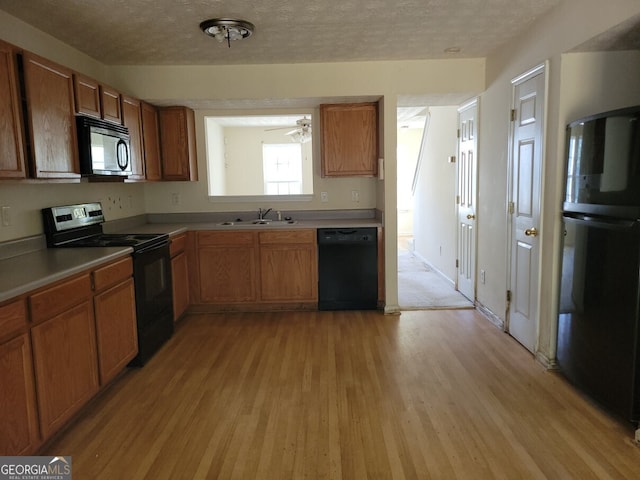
(466,198)
(524,206)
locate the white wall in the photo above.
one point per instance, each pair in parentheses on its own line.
(434,201)
(214,135)
(572,23)
(409,140)
(177,84)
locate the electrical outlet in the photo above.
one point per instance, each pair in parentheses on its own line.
(175,199)
(355,196)
(6,216)
(324,197)
(482,276)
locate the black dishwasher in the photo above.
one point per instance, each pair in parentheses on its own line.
(347,269)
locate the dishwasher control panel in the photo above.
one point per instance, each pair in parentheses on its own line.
(346,235)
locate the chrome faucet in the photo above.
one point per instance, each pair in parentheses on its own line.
(262,213)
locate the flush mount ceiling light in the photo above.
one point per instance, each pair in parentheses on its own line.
(227,29)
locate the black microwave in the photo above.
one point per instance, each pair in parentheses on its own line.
(103,147)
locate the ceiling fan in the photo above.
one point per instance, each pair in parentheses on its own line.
(300,133)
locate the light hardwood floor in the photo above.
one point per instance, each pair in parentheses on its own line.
(345,395)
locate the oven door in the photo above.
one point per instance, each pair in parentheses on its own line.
(154,304)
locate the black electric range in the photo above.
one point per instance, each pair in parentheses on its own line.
(80,225)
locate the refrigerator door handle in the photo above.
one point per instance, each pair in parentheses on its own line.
(610,223)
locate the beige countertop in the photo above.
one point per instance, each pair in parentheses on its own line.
(27,272)
(24,273)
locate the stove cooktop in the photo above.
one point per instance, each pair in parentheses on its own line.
(136,240)
(80,225)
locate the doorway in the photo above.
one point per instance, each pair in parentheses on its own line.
(427,144)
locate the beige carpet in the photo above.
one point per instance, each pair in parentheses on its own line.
(421,288)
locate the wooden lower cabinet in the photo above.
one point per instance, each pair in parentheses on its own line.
(228,267)
(288,266)
(65,360)
(180,284)
(18,417)
(257,269)
(116,332)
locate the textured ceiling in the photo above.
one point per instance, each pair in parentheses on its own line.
(166,32)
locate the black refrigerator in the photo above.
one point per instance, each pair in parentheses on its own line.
(599,302)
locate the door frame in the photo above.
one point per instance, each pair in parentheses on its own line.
(543,69)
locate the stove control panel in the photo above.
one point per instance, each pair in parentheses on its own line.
(66,217)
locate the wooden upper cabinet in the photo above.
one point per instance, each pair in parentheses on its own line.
(349,139)
(96,100)
(132,119)
(151,142)
(110,104)
(178,143)
(50,103)
(87,95)
(12,160)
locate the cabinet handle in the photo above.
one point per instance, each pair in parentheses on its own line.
(93,281)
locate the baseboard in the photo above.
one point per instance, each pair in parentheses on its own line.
(492,317)
(435,270)
(546,362)
(392,310)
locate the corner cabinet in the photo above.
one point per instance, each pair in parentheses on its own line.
(12,158)
(178,143)
(50,106)
(349,139)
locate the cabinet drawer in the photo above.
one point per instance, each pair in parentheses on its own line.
(55,300)
(177,244)
(13,318)
(287,236)
(111,274)
(226,238)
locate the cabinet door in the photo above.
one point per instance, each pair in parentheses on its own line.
(12,164)
(349,134)
(288,266)
(180,284)
(64,352)
(87,95)
(178,144)
(132,119)
(50,102)
(18,419)
(110,104)
(151,142)
(116,331)
(228,267)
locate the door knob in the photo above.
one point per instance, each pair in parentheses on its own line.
(471,216)
(531,232)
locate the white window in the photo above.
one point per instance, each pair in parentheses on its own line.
(282,164)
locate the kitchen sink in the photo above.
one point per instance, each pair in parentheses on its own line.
(258,222)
